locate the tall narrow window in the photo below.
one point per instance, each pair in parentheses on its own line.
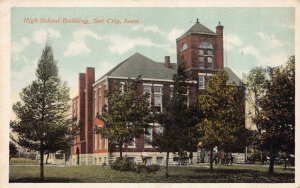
(183,46)
(100,141)
(158,98)
(96,141)
(187,97)
(106,143)
(206,55)
(201,82)
(122,86)
(147,89)
(100,101)
(148,138)
(95,102)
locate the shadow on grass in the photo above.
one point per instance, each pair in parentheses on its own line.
(233,176)
(46,180)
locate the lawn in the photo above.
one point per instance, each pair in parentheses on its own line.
(97,174)
(22,161)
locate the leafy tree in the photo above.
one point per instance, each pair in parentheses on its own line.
(277,115)
(254,83)
(12,150)
(127,113)
(43,119)
(177,120)
(223,109)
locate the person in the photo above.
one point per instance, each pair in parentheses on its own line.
(222,157)
(144,157)
(228,158)
(191,157)
(202,155)
(215,156)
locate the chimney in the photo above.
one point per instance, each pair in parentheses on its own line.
(219,50)
(167,61)
(89,131)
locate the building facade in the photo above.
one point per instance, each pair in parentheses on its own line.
(202,51)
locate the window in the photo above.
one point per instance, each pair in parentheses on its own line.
(122,86)
(206,55)
(147,89)
(100,100)
(131,143)
(95,102)
(201,82)
(105,143)
(96,141)
(131,159)
(99,142)
(148,138)
(157,98)
(149,161)
(159,160)
(186,97)
(183,46)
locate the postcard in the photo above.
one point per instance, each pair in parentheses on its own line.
(147,92)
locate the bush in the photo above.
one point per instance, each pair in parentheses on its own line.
(126,165)
(152,168)
(123,165)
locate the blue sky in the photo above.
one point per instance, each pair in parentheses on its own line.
(253,37)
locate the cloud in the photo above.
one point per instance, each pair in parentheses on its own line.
(250,50)
(38,37)
(78,46)
(153,29)
(41,36)
(274,59)
(270,40)
(19,46)
(288,26)
(174,34)
(232,42)
(122,44)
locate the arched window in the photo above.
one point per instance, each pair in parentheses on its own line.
(183,46)
(206,54)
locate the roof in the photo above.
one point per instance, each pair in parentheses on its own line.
(198,28)
(232,77)
(138,64)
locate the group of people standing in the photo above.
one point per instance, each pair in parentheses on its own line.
(218,157)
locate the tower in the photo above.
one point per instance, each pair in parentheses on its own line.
(202,51)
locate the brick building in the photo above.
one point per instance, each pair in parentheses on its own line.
(201,49)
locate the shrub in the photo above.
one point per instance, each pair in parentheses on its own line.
(123,165)
(152,168)
(126,165)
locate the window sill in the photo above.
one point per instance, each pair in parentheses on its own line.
(148,146)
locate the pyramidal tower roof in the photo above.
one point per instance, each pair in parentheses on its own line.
(198,28)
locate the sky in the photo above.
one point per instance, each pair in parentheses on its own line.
(252,37)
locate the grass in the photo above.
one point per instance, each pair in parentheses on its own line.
(22,161)
(97,174)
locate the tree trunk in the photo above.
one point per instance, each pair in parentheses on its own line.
(211,159)
(167,165)
(121,150)
(272,161)
(285,164)
(47,158)
(42,162)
